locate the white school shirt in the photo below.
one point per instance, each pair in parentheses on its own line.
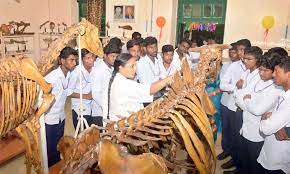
(225,96)
(59,88)
(147,71)
(74,86)
(166,72)
(177,62)
(97,61)
(250,80)
(264,97)
(126,96)
(100,79)
(229,80)
(275,155)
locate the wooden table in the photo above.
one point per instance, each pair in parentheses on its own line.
(10,147)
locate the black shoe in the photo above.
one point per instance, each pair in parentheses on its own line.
(228,164)
(236,171)
(223,156)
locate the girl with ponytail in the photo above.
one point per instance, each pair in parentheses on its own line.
(124,95)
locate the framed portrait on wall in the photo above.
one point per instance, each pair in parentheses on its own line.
(129,12)
(124,13)
(118,12)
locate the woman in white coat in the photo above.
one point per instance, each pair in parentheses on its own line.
(124,95)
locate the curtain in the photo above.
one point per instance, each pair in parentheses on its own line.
(94,12)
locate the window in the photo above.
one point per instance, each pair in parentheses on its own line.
(187,10)
(196,10)
(207,10)
(217,10)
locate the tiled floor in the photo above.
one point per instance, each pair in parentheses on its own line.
(17,166)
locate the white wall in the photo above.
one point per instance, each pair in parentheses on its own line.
(243,20)
(143,18)
(38,11)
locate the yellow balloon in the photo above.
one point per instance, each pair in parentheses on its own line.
(268,22)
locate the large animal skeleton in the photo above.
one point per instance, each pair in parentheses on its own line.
(22,83)
(176,123)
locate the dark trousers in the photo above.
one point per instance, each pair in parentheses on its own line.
(97,120)
(227,129)
(237,138)
(249,153)
(53,134)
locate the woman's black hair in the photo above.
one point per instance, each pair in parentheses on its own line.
(269,61)
(121,60)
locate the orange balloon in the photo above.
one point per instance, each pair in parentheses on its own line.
(160,21)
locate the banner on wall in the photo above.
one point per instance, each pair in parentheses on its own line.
(211,27)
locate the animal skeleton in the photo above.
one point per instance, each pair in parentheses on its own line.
(176,122)
(22,83)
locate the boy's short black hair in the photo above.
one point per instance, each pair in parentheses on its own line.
(185,40)
(254,51)
(116,41)
(233,46)
(285,64)
(142,42)
(150,40)
(279,50)
(269,61)
(244,42)
(131,43)
(167,48)
(67,51)
(85,52)
(112,48)
(135,35)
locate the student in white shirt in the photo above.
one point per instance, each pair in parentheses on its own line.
(255,102)
(133,47)
(225,113)
(275,154)
(245,85)
(181,52)
(228,84)
(73,91)
(54,118)
(100,80)
(148,70)
(166,66)
(124,95)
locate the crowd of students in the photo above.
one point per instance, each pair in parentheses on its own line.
(254,110)
(250,95)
